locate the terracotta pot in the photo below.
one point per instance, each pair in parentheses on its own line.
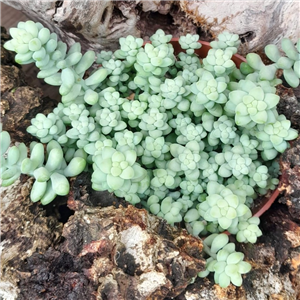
(202,52)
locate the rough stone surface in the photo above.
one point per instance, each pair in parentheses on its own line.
(122,252)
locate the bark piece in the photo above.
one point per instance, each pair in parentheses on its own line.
(289,104)
(6,56)
(10,78)
(96,24)
(143,263)
(282,234)
(25,230)
(140,270)
(290,179)
(17,108)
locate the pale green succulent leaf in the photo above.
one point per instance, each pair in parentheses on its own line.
(60,184)
(219,242)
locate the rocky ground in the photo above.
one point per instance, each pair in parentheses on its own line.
(92,245)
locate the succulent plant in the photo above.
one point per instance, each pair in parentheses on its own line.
(251,105)
(113,170)
(11,159)
(277,134)
(227,264)
(154,150)
(189,43)
(155,123)
(172,90)
(187,62)
(222,208)
(219,62)
(50,178)
(248,231)
(223,130)
(290,64)
(192,140)
(167,208)
(46,128)
(186,159)
(226,40)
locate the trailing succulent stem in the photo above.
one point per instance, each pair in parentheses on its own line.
(193,140)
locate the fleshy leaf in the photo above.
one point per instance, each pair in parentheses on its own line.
(114,183)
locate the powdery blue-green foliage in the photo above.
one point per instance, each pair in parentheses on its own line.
(192,140)
(50,171)
(289,63)
(227,264)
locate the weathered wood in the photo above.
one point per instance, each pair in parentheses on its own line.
(99,24)
(257,22)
